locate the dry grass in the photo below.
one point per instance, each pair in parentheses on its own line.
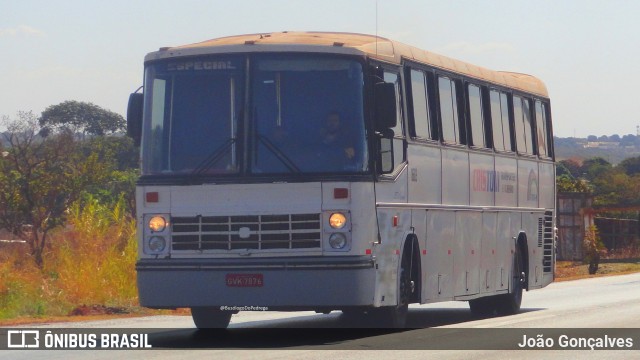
(570,270)
(89,262)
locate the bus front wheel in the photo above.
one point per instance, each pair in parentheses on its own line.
(210,317)
(396,316)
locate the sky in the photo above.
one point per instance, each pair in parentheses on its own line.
(586,51)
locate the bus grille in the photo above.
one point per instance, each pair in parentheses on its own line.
(261,232)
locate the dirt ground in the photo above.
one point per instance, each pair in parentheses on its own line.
(569,270)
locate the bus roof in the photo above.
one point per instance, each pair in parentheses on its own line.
(369,45)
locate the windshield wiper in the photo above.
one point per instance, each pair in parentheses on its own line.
(278,153)
(214,157)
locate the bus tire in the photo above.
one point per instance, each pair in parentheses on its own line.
(210,317)
(482,307)
(396,316)
(509,304)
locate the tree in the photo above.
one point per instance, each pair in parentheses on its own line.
(82,117)
(592,138)
(631,166)
(628,140)
(594,167)
(120,152)
(565,184)
(572,166)
(39,179)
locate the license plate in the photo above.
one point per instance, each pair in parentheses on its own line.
(244,280)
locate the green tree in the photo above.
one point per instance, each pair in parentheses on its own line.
(631,166)
(122,157)
(39,179)
(615,187)
(628,140)
(565,183)
(594,167)
(570,166)
(81,117)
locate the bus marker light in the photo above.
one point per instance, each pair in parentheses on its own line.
(340,193)
(397,252)
(395,221)
(449,251)
(424,252)
(367,252)
(152,197)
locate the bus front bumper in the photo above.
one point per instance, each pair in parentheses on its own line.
(277,283)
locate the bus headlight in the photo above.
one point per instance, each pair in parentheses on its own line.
(157,223)
(337,220)
(157,244)
(338,241)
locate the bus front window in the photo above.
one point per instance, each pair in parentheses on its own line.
(308,116)
(303,114)
(193,122)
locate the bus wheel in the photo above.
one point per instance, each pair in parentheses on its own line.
(482,307)
(210,317)
(396,316)
(508,304)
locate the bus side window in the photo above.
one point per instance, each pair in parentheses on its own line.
(500,120)
(541,129)
(476,116)
(448,110)
(522,120)
(420,105)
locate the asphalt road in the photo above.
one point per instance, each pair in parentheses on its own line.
(610,305)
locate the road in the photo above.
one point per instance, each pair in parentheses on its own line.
(605,302)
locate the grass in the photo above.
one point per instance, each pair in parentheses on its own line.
(571,270)
(90,261)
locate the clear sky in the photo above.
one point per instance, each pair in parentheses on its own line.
(587,52)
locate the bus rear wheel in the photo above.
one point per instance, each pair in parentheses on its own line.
(506,304)
(210,317)
(509,304)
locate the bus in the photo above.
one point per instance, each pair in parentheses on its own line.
(338,172)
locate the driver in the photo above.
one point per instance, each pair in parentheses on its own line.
(334,135)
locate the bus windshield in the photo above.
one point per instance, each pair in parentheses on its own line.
(304,114)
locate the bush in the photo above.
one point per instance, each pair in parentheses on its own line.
(90,261)
(593,249)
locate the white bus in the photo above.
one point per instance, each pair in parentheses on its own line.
(332,171)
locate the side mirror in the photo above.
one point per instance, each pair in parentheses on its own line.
(385,106)
(134,117)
